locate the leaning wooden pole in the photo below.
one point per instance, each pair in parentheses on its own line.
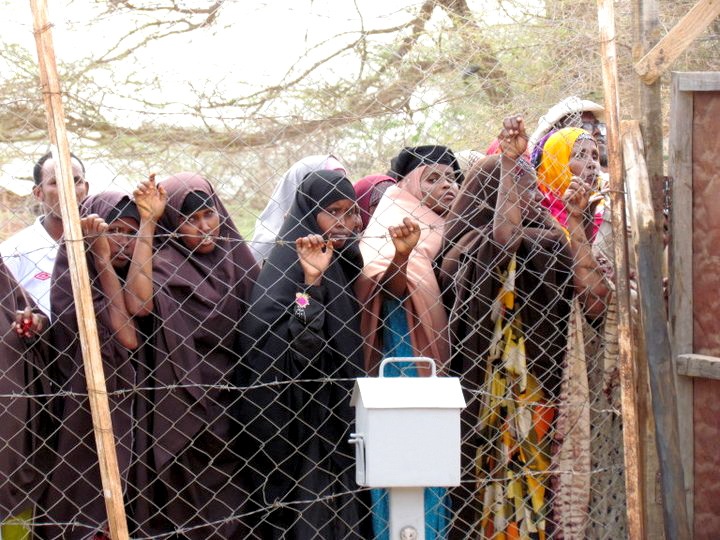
(652,309)
(651,109)
(631,429)
(97,392)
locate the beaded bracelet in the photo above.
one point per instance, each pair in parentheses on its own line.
(521,168)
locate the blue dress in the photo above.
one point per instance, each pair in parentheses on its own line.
(396,342)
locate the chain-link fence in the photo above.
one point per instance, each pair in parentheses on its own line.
(235,305)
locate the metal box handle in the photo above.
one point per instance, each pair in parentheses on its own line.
(398,359)
(359,441)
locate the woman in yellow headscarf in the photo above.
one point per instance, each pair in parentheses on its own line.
(569,153)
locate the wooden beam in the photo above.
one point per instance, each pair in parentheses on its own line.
(681,267)
(628,381)
(95,378)
(698,365)
(646,33)
(652,310)
(651,107)
(697,81)
(694,23)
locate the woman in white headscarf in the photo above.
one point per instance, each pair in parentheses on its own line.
(272,217)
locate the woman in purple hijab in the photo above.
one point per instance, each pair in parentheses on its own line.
(196,289)
(369,190)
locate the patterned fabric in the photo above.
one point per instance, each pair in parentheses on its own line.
(516,425)
(17,527)
(608,517)
(571,462)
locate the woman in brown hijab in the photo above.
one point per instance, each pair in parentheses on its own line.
(25,424)
(74,505)
(510,276)
(196,288)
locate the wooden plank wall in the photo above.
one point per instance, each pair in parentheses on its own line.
(706,308)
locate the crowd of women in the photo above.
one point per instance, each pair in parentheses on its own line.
(229,365)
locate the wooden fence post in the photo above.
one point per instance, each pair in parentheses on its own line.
(631,432)
(652,304)
(97,391)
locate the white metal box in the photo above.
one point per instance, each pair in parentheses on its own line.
(407,429)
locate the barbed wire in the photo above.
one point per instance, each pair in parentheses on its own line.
(278,384)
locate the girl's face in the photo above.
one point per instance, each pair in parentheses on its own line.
(121,235)
(339,220)
(439,188)
(200,230)
(585,161)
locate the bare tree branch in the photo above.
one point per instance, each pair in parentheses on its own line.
(384,85)
(23,119)
(486,64)
(211,11)
(209,16)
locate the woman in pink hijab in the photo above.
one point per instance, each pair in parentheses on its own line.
(404,315)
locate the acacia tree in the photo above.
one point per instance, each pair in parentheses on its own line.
(442,73)
(385,79)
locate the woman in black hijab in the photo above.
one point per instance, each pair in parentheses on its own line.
(302,334)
